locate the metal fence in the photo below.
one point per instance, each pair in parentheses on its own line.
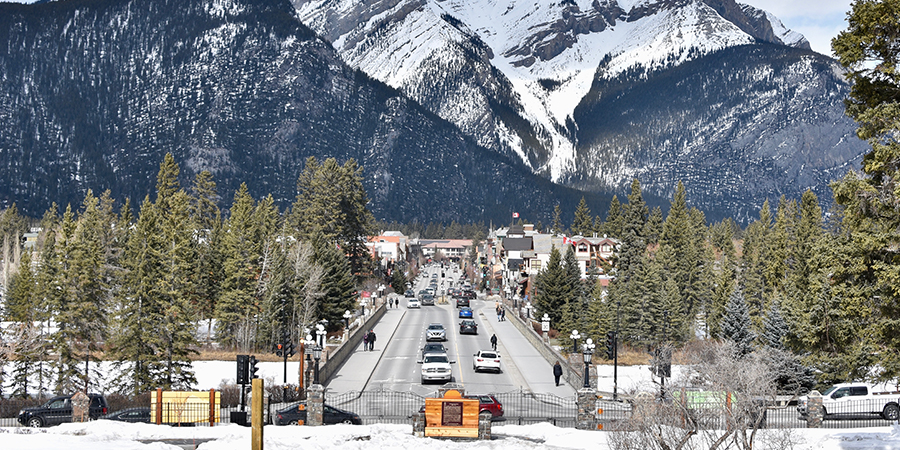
(523,407)
(380,405)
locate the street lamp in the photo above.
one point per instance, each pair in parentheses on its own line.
(317,353)
(545,325)
(574,337)
(588,352)
(320,334)
(310,344)
(528,309)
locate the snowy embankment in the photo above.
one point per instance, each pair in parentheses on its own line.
(105,434)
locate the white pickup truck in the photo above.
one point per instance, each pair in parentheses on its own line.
(852,400)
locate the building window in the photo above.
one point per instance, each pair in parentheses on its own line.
(605,248)
(536,264)
(582,247)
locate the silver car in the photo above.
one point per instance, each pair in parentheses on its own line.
(435,332)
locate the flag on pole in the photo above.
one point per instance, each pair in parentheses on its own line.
(515,215)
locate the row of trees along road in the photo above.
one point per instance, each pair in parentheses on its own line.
(133,289)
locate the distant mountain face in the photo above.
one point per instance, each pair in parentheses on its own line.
(93,94)
(596,92)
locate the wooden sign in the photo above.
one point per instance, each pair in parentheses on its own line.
(451,416)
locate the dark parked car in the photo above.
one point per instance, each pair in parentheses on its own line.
(59,410)
(468,327)
(133,415)
(296,415)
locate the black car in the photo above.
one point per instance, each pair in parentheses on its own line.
(296,415)
(468,327)
(133,415)
(433,348)
(59,410)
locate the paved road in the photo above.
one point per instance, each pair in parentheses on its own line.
(393,365)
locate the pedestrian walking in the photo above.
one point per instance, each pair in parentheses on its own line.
(557,372)
(494,342)
(503,315)
(498,313)
(366,342)
(371,340)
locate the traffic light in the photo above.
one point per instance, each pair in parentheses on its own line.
(279,349)
(610,344)
(242,363)
(253,368)
(290,349)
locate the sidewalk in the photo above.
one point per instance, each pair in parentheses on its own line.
(516,352)
(364,362)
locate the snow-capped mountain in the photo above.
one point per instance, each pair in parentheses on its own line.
(513,74)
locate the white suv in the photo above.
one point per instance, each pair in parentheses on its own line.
(436,367)
(435,332)
(486,360)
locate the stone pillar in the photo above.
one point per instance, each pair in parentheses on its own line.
(80,407)
(315,404)
(418,424)
(815,412)
(484,425)
(586,418)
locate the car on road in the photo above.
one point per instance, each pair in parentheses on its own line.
(296,415)
(427,300)
(58,410)
(412,302)
(465,313)
(433,348)
(131,415)
(436,367)
(468,327)
(409,293)
(462,302)
(435,332)
(486,360)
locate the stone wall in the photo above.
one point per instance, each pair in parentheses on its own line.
(571,374)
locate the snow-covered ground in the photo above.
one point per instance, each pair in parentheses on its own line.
(104,434)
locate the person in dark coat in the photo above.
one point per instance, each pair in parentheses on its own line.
(371,340)
(494,342)
(557,372)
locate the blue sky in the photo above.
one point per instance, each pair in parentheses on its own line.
(818,20)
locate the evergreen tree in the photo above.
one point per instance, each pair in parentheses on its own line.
(582,224)
(332,202)
(557,227)
(615,220)
(736,324)
(774,327)
(633,244)
(752,274)
(654,226)
(337,286)
(551,288)
(398,281)
(237,308)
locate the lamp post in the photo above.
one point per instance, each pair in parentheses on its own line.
(320,335)
(528,309)
(347,316)
(317,353)
(311,344)
(588,352)
(574,337)
(545,325)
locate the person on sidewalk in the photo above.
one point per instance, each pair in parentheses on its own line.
(372,340)
(494,342)
(557,372)
(503,315)
(366,342)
